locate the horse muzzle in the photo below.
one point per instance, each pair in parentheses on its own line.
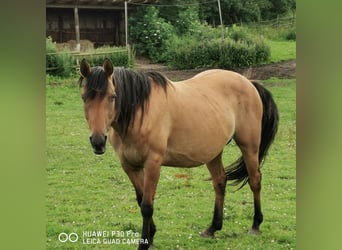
(98,142)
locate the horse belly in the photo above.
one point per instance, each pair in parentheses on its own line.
(190,147)
(179,159)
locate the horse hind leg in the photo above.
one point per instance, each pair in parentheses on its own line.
(216,170)
(250,154)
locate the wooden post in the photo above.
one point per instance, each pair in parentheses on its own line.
(126,24)
(220,13)
(60,29)
(77,30)
(277,22)
(126,32)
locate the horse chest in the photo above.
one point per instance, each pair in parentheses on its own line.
(133,156)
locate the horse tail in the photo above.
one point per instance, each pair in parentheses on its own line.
(237,171)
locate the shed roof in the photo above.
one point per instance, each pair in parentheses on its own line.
(94,4)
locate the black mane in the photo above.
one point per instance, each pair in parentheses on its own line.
(97,83)
(132,89)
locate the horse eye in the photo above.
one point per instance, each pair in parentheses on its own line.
(112,97)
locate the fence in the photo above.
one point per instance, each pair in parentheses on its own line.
(119,57)
(279,22)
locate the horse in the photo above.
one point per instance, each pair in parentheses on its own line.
(151,122)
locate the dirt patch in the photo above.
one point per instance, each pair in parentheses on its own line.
(283,70)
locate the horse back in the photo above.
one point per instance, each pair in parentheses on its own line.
(206,111)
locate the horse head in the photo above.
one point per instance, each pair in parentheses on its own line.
(98,94)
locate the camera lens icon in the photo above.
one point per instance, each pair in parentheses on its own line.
(64,237)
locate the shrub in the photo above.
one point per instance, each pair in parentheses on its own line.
(150,33)
(291,35)
(188,52)
(58,64)
(262,51)
(118,55)
(239,34)
(187,21)
(64,64)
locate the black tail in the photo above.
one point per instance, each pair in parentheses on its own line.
(237,171)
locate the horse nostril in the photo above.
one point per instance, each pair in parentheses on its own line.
(91,138)
(98,142)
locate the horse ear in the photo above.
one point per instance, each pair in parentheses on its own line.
(85,68)
(108,67)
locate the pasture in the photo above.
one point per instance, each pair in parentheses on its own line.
(89,195)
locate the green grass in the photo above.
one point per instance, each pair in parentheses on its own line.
(282,50)
(86,192)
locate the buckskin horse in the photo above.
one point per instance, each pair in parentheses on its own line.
(151,122)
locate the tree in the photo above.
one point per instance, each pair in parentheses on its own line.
(278,7)
(180,13)
(149,32)
(235,11)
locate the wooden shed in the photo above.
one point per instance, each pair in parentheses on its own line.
(100,21)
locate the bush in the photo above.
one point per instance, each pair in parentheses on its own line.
(187,21)
(239,34)
(291,35)
(58,64)
(118,55)
(262,51)
(188,52)
(150,33)
(64,64)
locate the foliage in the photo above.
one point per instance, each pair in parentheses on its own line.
(64,63)
(187,21)
(236,11)
(182,16)
(58,64)
(118,55)
(291,35)
(274,33)
(149,32)
(153,35)
(278,7)
(238,49)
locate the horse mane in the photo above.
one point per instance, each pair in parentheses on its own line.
(97,83)
(133,90)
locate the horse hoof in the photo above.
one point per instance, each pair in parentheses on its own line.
(145,246)
(254,231)
(206,234)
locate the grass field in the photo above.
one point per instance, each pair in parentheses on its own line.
(87,193)
(282,50)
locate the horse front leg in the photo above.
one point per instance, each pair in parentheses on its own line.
(136,176)
(216,170)
(151,178)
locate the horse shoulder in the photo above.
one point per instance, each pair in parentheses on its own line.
(148,134)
